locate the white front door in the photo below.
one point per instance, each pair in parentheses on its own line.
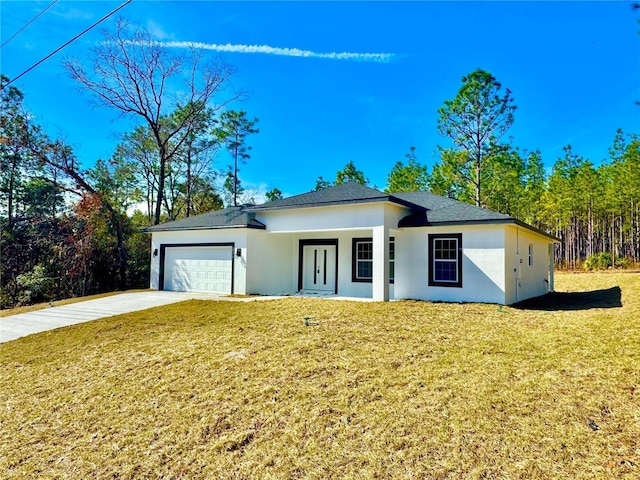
(319,268)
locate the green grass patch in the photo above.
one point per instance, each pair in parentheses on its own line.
(206,389)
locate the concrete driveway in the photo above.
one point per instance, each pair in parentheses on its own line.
(22,324)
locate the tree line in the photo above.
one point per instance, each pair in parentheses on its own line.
(594,209)
(68,231)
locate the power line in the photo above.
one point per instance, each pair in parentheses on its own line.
(29,23)
(70,41)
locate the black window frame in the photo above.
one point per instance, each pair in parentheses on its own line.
(433,237)
(354,259)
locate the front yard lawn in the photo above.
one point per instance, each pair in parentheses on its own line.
(407,389)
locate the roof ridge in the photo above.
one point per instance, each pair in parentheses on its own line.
(348,192)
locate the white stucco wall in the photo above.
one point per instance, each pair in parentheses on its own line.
(483,265)
(269,264)
(237,236)
(524,280)
(342,222)
(270,261)
(273,262)
(346,287)
(338,217)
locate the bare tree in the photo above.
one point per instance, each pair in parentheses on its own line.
(139,77)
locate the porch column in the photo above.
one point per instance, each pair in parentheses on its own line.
(380,278)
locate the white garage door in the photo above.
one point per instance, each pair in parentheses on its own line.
(198,269)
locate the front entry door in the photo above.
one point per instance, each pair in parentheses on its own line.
(319,268)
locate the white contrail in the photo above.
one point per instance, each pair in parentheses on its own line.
(287,52)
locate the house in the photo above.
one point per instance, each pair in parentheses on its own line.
(354,241)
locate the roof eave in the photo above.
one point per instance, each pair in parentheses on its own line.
(337,203)
(214,227)
(536,230)
(495,221)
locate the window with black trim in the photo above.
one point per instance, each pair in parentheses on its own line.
(362,255)
(530,255)
(445,260)
(363,259)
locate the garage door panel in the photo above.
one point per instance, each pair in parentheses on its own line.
(198,269)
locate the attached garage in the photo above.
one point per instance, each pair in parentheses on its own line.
(197,268)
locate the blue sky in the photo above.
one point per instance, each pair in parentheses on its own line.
(573,69)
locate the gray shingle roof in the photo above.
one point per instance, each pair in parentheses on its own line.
(426,209)
(231,217)
(447,210)
(343,194)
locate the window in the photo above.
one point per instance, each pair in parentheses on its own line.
(362,260)
(530,255)
(445,260)
(362,268)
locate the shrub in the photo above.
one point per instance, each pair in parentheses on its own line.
(603,261)
(623,262)
(35,286)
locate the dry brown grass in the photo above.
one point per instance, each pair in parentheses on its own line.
(375,390)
